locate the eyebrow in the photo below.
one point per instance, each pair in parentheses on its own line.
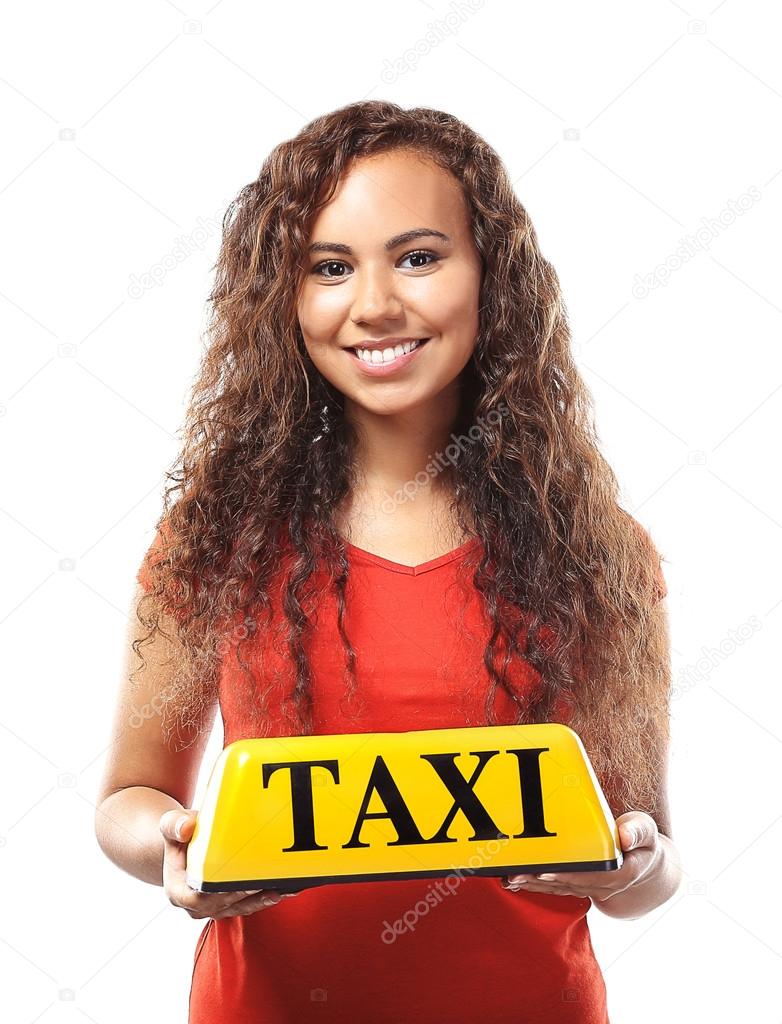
(392,243)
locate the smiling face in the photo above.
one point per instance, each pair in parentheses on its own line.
(393,258)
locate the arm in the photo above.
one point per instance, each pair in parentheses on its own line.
(651,871)
(649,876)
(655,887)
(127,827)
(659,869)
(663,875)
(143,777)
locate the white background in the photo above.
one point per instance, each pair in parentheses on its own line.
(630,131)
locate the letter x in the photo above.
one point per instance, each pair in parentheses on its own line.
(461,790)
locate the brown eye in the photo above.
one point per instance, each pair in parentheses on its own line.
(422,253)
(419,254)
(327,263)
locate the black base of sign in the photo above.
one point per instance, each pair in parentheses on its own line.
(295,884)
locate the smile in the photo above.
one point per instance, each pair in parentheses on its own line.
(379,362)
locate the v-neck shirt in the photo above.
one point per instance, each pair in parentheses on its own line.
(393,951)
(358,554)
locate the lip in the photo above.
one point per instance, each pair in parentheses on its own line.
(382,343)
(385,369)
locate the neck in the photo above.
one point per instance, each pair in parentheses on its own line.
(405,451)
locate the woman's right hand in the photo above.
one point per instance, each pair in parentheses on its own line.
(203,904)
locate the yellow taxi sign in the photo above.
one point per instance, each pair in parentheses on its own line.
(293,812)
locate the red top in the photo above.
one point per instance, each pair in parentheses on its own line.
(455,949)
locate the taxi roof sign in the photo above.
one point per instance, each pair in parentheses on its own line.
(294,812)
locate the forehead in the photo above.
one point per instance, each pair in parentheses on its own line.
(381,195)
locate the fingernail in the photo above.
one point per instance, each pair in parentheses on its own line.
(252,892)
(179,825)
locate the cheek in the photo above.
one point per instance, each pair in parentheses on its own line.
(320,327)
(454,304)
(321,313)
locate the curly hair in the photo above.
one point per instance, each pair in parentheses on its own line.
(268,455)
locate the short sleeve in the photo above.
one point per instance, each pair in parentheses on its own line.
(153,555)
(661,588)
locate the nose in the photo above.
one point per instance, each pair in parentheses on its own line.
(375,298)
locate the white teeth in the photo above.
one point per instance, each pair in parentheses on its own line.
(386,355)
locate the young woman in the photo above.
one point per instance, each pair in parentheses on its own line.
(392,514)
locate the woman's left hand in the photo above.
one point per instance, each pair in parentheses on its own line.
(641,848)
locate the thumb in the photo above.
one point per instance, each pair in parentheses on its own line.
(177,825)
(632,830)
(629,837)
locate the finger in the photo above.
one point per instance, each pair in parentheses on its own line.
(532,885)
(220,899)
(276,893)
(262,900)
(178,831)
(636,829)
(518,883)
(577,879)
(251,899)
(248,894)
(210,904)
(173,825)
(177,826)
(552,889)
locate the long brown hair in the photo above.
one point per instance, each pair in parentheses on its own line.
(267,455)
